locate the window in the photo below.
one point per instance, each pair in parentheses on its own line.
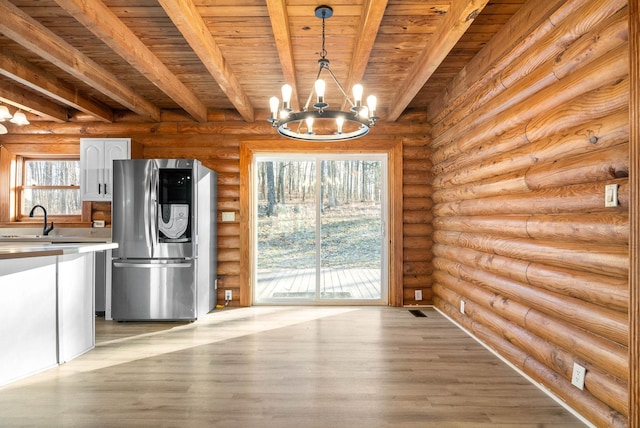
(53,183)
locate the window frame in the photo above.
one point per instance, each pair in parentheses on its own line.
(19,180)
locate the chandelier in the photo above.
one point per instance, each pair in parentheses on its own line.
(303,125)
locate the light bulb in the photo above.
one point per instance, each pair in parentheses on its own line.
(3,129)
(320,86)
(309,121)
(339,123)
(357,94)
(4,113)
(19,118)
(274,102)
(286,96)
(372,102)
(364,112)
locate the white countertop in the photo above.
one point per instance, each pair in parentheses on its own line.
(21,249)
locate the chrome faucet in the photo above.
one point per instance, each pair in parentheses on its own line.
(46,229)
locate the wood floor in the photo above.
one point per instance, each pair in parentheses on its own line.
(284,367)
(340,284)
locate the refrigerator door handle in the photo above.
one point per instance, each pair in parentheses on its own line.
(152,265)
(154,209)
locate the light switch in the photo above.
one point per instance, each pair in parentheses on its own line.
(229,216)
(611,195)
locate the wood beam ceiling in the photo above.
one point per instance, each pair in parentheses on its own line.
(458,20)
(280,25)
(186,18)
(29,33)
(102,22)
(34,78)
(22,99)
(372,14)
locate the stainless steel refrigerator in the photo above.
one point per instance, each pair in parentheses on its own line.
(164,221)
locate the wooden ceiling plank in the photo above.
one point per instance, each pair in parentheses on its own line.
(457,21)
(29,33)
(372,15)
(25,73)
(280,25)
(186,18)
(102,22)
(23,99)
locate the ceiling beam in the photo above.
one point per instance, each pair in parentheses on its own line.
(32,35)
(25,73)
(280,25)
(102,22)
(186,18)
(23,99)
(369,26)
(458,19)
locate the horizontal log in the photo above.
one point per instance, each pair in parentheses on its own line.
(599,259)
(417,268)
(555,358)
(229,255)
(525,29)
(417,281)
(607,35)
(229,241)
(607,228)
(507,184)
(416,255)
(583,402)
(413,164)
(610,69)
(606,291)
(421,152)
(228,229)
(540,68)
(417,203)
(592,135)
(602,165)
(577,198)
(416,177)
(228,268)
(423,243)
(605,322)
(413,217)
(596,350)
(600,102)
(419,229)
(417,190)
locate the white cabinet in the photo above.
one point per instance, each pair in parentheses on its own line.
(96,165)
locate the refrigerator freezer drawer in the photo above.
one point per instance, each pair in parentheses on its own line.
(152,291)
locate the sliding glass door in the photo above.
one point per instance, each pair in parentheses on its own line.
(320,225)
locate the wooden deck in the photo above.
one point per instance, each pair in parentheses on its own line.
(296,284)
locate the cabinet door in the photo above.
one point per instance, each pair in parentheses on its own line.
(113,149)
(96,164)
(91,169)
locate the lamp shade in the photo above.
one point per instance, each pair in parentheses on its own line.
(4,113)
(19,118)
(3,129)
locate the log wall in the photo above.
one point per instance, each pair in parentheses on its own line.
(217,144)
(521,153)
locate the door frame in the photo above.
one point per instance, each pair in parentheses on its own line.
(318,158)
(272,145)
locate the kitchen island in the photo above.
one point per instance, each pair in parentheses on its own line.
(47,314)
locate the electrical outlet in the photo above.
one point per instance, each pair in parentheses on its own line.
(462,306)
(577,379)
(228,295)
(418,294)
